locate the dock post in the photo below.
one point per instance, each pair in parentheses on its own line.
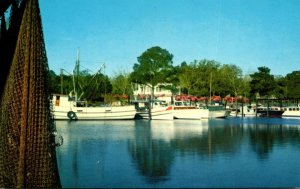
(268,107)
(256,108)
(243,109)
(150,108)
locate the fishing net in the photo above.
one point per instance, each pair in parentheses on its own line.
(8,38)
(27,143)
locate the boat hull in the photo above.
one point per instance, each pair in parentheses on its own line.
(291,112)
(66,109)
(157,113)
(218,112)
(269,113)
(197,114)
(95,113)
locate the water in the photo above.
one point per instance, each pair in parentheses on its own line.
(158,154)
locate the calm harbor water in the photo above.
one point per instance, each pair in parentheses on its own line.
(233,152)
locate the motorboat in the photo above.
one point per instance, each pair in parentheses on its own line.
(160,110)
(184,110)
(269,111)
(291,112)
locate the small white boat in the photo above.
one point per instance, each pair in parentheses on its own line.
(245,111)
(159,111)
(291,112)
(182,110)
(66,109)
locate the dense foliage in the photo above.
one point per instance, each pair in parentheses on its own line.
(199,78)
(262,83)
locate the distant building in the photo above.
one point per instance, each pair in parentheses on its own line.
(143,92)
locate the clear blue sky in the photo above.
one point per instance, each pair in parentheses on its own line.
(247,33)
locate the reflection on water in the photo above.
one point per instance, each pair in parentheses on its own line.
(180,153)
(151,150)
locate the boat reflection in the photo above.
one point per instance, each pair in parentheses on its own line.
(190,128)
(162,130)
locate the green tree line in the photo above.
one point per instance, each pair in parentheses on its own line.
(198,78)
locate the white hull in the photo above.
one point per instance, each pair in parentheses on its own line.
(184,110)
(63,109)
(291,112)
(191,114)
(219,114)
(158,113)
(246,113)
(291,116)
(218,111)
(96,113)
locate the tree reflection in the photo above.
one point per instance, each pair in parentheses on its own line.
(154,152)
(154,157)
(155,147)
(261,140)
(264,136)
(216,140)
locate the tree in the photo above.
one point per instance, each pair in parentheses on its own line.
(232,80)
(293,84)
(95,87)
(187,77)
(199,77)
(281,88)
(121,85)
(172,77)
(152,68)
(262,83)
(54,80)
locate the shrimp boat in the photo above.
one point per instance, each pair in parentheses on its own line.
(71,107)
(66,108)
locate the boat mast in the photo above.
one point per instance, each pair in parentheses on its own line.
(61,81)
(76,71)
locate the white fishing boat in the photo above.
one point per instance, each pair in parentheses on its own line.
(183,110)
(64,108)
(72,108)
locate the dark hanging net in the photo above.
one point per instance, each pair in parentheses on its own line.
(8,38)
(27,143)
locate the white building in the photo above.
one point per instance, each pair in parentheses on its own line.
(143,92)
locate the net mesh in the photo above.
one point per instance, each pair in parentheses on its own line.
(27,143)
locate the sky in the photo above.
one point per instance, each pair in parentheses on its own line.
(247,33)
